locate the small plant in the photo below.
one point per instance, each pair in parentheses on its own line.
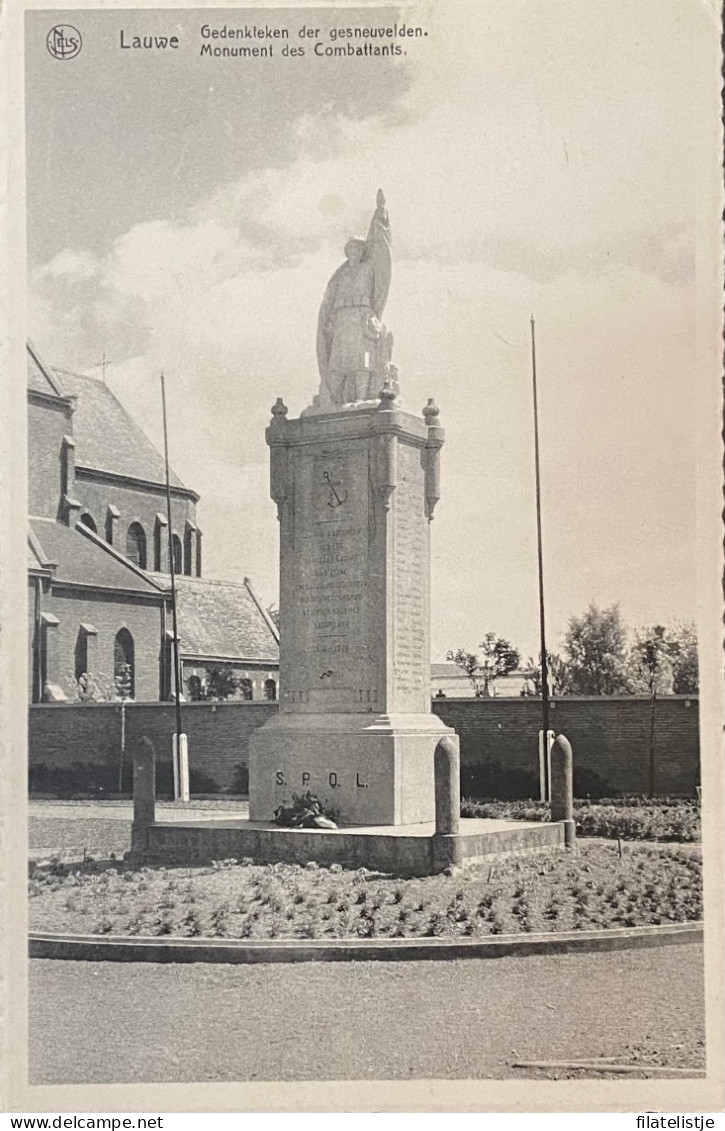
(191,924)
(436,925)
(135,924)
(495,925)
(217,920)
(365,927)
(161,925)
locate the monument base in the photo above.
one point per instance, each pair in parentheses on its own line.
(406,850)
(364,769)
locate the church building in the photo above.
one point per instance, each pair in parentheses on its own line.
(100,616)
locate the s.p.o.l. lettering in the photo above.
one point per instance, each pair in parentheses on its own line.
(333,779)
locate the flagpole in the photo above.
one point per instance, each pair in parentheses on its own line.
(542,619)
(172,573)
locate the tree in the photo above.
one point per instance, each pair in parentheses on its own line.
(496,658)
(92,688)
(651,658)
(685,671)
(122,683)
(222,683)
(123,686)
(595,653)
(559,679)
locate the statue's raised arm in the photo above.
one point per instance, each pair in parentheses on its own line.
(379,245)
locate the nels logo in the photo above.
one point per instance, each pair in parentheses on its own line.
(64,41)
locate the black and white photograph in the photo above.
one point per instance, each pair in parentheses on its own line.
(362,590)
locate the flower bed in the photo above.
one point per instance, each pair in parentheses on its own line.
(552,891)
(628,818)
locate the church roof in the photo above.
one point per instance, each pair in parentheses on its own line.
(81,557)
(222,620)
(41,379)
(107,438)
(37,557)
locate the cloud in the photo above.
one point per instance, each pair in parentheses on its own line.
(72,265)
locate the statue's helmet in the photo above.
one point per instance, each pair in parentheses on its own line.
(355,242)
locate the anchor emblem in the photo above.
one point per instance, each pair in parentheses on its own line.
(338,494)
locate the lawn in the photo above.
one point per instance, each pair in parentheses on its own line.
(596,887)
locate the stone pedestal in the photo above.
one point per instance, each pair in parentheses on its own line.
(355,491)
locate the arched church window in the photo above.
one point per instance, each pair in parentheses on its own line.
(245,689)
(178,554)
(88,520)
(136,545)
(188,550)
(124,665)
(81,655)
(270,689)
(196,691)
(160,566)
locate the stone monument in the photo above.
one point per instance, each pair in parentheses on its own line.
(356,479)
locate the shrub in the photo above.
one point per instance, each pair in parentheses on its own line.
(628,819)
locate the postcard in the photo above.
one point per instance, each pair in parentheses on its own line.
(361,588)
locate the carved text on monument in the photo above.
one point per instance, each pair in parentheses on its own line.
(410,661)
(331,560)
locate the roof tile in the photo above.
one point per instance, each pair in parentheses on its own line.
(107,438)
(82,559)
(221,619)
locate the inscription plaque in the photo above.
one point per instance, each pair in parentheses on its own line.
(329,647)
(410,587)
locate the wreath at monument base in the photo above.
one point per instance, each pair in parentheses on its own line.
(305,812)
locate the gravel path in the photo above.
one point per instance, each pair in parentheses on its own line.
(68,828)
(117,1023)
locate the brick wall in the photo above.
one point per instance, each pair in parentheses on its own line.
(47,425)
(609,737)
(107,612)
(75,749)
(136,504)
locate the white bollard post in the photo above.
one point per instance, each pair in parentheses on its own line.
(175,766)
(184,767)
(544,778)
(180,758)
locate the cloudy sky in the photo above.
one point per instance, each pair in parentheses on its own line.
(545,156)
